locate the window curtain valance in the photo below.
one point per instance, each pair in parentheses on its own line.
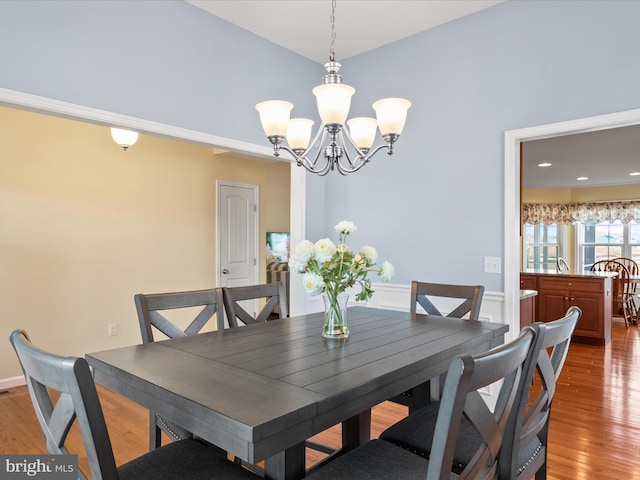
(561,213)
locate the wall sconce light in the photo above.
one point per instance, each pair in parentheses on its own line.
(124,138)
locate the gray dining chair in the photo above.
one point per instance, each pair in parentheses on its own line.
(272,294)
(470,297)
(78,400)
(464,301)
(526,434)
(203,306)
(381,459)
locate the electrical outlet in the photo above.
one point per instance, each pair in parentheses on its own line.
(113,330)
(492,265)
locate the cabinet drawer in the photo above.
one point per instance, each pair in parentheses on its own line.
(528,282)
(581,284)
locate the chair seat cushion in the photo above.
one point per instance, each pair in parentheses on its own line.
(184,459)
(529,453)
(376,459)
(415,433)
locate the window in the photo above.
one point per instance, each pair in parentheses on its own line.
(604,240)
(542,245)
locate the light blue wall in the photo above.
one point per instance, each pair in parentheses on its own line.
(435,208)
(165,61)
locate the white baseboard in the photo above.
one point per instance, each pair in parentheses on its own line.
(12,382)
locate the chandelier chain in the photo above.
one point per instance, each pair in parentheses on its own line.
(332,19)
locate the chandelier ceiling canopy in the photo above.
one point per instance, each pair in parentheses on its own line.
(333,99)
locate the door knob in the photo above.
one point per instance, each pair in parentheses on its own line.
(225,271)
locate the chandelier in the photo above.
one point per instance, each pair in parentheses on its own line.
(334,99)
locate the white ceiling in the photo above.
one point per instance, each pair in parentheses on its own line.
(606,157)
(303,26)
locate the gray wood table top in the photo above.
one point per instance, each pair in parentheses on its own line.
(259,390)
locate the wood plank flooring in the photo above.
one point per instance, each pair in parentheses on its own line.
(594,433)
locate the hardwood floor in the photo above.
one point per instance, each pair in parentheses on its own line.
(594,433)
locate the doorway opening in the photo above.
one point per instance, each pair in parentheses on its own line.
(512,141)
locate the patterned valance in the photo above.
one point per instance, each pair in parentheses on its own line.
(563,213)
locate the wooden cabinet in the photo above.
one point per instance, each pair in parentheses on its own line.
(591,293)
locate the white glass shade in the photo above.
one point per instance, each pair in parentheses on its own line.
(124,138)
(334,100)
(299,133)
(274,116)
(362,131)
(391,114)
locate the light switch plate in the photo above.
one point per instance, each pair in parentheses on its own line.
(492,265)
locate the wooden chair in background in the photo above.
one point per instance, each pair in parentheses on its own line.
(622,298)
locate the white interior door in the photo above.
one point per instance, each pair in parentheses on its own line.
(237,234)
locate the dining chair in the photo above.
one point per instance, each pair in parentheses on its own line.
(272,293)
(622,297)
(470,297)
(526,432)
(203,306)
(505,366)
(464,301)
(634,273)
(71,378)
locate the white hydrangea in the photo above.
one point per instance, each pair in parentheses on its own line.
(324,250)
(313,283)
(370,254)
(345,228)
(386,271)
(304,251)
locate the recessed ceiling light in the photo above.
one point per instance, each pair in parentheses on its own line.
(633,174)
(582,178)
(546,164)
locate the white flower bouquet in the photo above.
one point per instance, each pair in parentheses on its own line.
(330,269)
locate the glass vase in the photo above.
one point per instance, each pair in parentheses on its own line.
(335,316)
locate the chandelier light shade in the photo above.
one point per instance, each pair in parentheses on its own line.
(124,138)
(333,100)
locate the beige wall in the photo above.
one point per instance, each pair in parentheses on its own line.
(85,225)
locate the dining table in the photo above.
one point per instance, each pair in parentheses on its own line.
(259,391)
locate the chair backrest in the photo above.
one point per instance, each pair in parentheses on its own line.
(471,296)
(467,374)
(620,282)
(632,268)
(78,399)
(562,264)
(272,293)
(550,350)
(149,308)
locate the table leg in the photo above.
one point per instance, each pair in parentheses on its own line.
(287,465)
(356,430)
